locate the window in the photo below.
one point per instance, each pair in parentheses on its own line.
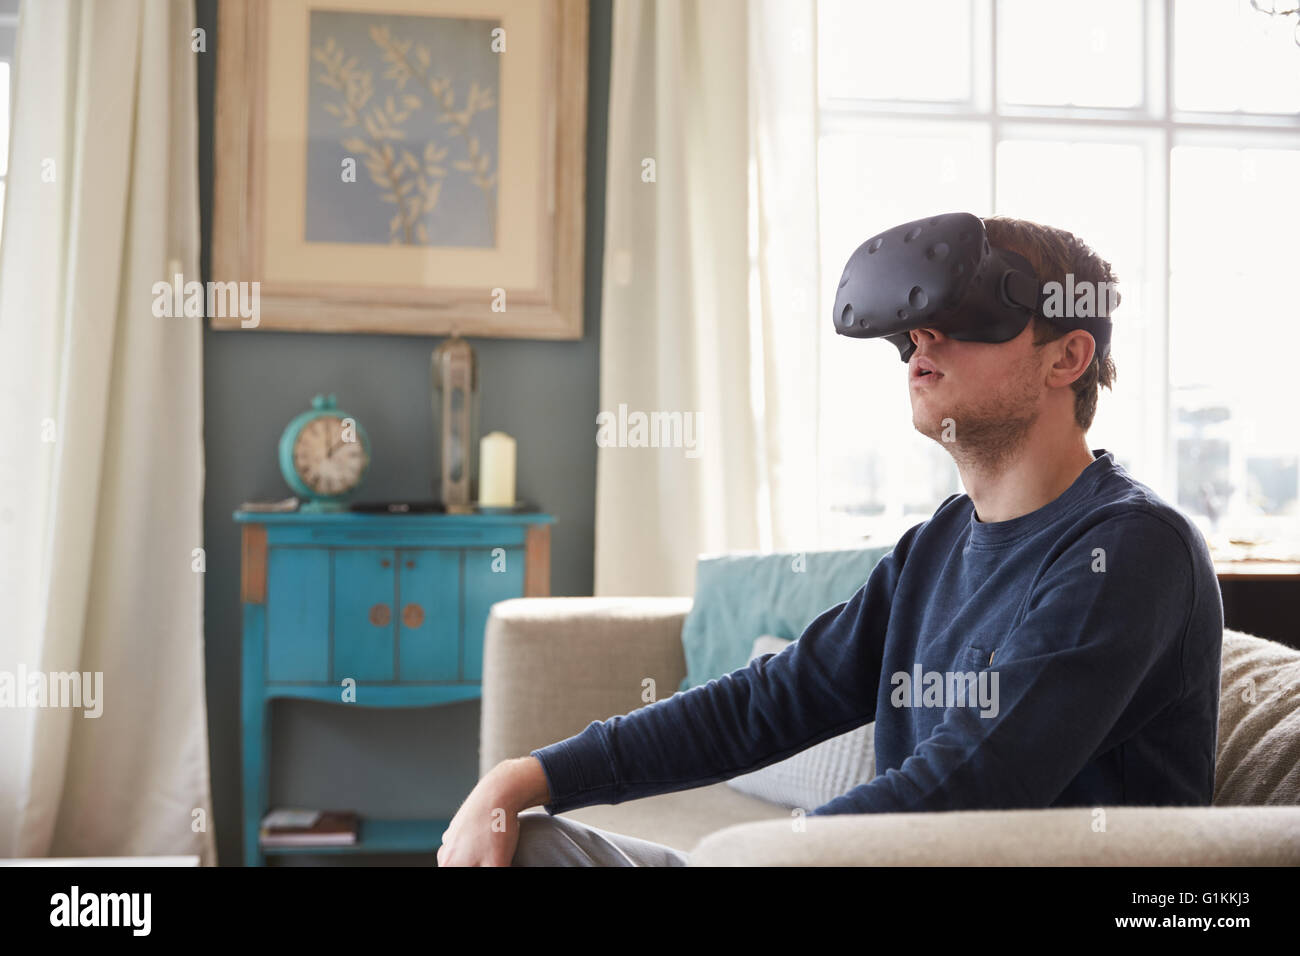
(1167,136)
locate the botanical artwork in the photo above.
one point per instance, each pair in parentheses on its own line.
(412,101)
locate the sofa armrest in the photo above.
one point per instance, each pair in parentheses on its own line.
(1133,836)
(553,665)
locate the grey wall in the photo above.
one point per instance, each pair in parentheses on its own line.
(407,762)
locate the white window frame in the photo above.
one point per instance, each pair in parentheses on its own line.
(1154,124)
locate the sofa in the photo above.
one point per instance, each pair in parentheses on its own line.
(553,665)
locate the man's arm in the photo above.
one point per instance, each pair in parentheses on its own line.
(1096,655)
(823,684)
(524,781)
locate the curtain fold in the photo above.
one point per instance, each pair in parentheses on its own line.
(99,571)
(710,288)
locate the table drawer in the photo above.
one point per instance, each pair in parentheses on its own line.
(428,625)
(365,627)
(298,614)
(386,615)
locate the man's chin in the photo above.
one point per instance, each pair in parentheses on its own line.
(929,425)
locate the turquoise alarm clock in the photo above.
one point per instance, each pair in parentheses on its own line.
(324,455)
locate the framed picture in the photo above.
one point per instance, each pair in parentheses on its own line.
(403,166)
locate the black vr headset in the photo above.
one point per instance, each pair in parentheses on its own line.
(941,273)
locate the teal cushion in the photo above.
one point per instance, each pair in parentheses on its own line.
(740,597)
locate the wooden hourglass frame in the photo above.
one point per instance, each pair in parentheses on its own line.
(455,415)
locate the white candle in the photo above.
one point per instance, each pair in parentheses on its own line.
(496,483)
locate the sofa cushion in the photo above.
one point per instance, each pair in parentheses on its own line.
(1259,723)
(739,596)
(818,774)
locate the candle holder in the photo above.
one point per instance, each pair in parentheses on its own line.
(453,370)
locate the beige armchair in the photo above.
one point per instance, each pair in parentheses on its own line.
(553,665)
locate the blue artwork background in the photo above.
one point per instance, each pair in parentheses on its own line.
(460,53)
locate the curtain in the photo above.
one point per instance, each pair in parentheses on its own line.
(101,477)
(709,298)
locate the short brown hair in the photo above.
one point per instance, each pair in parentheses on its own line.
(1053,253)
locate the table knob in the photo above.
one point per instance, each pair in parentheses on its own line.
(384,563)
(410,564)
(413,615)
(379,615)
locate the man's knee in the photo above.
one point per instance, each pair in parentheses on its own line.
(541,842)
(545,840)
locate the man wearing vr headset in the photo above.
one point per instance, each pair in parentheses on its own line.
(1090,604)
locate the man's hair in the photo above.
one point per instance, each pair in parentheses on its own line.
(1053,253)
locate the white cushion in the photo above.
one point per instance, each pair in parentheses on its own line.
(818,774)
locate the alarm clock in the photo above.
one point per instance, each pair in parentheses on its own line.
(324,455)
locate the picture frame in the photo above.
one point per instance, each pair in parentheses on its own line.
(463,126)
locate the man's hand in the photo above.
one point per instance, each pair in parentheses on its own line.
(485,830)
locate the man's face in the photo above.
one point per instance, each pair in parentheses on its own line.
(984,397)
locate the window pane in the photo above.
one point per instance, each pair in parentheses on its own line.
(1094,190)
(1237,213)
(890,173)
(1230,57)
(1232,219)
(883,49)
(880,475)
(1066,53)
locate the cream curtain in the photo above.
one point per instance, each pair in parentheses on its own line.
(101,473)
(710,289)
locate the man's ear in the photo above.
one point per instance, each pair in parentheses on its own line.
(1074,351)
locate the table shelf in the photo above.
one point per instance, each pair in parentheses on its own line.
(378,836)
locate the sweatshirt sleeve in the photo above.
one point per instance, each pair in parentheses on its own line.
(823,684)
(1095,655)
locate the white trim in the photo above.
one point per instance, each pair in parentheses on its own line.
(995,124)
(1265,123)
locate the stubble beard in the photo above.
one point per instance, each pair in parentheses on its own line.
(986,433)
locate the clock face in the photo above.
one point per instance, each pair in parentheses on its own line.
(326,462)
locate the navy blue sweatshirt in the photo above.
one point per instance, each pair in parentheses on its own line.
(1067,657)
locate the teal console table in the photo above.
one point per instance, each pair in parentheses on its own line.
(390,608)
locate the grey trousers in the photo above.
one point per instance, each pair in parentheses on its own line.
(545,840)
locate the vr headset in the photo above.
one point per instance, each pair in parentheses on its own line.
(941,273)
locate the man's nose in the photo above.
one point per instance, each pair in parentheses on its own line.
(932,335)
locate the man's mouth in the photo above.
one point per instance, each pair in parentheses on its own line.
(924,368)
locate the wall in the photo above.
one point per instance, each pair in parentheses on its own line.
(389,763)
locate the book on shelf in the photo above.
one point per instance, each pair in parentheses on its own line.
(310,828)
